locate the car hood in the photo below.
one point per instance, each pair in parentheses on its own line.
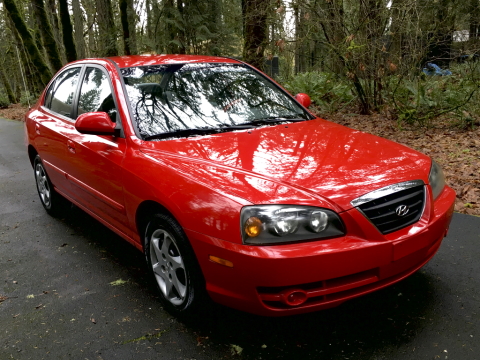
(307,162)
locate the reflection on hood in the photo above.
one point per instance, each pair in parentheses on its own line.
(296,161)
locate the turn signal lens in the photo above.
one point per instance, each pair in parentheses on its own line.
(220,261)
(253,226)
(436,179)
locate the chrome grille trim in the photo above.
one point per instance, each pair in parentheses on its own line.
(387,190)
(382,211)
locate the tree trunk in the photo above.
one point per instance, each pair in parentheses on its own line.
(168,29)
(331,14)
(474,21)
(126,31)
(8,88)
(214,25)
(440,50)
(51,9)
(67,31)
(78,24)
(299,38)
(132,25)
(89,6)
(27,68)
(181,37)
(255,28)
(107,33)
(43,71)
(18,86)
(128,26)
(150,25)
(46,34)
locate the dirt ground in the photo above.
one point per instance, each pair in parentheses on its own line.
(456,150)
(14,112)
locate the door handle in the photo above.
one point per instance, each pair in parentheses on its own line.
(37,129)
(71,146)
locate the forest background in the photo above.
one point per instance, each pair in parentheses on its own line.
(365,63)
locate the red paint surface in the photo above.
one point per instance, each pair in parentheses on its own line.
(205,181)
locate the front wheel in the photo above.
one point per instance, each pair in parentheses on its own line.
(173,265)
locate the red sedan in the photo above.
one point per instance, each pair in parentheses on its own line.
(231,188)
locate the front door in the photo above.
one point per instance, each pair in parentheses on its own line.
(95,171)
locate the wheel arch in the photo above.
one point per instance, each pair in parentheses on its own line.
(32,153)
(143,213)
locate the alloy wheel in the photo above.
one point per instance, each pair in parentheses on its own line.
(168,266)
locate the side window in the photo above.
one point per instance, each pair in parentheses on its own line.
(60,95)
(96,94)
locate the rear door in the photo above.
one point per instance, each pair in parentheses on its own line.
(54,124)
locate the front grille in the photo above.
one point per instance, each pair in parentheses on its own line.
(382,212)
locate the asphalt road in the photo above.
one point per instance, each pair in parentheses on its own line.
(75,290)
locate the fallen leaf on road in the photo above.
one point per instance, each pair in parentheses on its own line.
(236,350)
(118,282)
(200,340)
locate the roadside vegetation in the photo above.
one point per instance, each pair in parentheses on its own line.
(362,62)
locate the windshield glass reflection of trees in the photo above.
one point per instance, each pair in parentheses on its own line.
(175,99)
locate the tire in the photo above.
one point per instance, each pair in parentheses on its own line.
(52,202)
(174,267)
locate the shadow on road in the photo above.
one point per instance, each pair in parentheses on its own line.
(378,323)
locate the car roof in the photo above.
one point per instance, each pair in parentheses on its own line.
(142,60)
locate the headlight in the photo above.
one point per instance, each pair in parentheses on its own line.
(272,224)
(436,179)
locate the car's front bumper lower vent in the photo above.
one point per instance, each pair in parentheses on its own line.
(393,207)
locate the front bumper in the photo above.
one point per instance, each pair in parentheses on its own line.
(322,273)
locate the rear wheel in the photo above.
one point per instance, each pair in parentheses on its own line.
(173,265)
(52,202)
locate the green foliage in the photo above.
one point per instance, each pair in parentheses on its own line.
(27,98)
(4,100)
(418,101)
(326,90)
(200,27)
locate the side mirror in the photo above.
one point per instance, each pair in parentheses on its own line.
(95,123)
(303,99)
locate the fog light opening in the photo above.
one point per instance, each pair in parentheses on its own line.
(294,297)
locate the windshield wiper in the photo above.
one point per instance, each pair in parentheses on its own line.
(192,132)
(182,133)
(207,131)
(275,120)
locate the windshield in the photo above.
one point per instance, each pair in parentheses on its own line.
(183,99)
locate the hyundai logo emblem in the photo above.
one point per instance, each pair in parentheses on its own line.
(402,210)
